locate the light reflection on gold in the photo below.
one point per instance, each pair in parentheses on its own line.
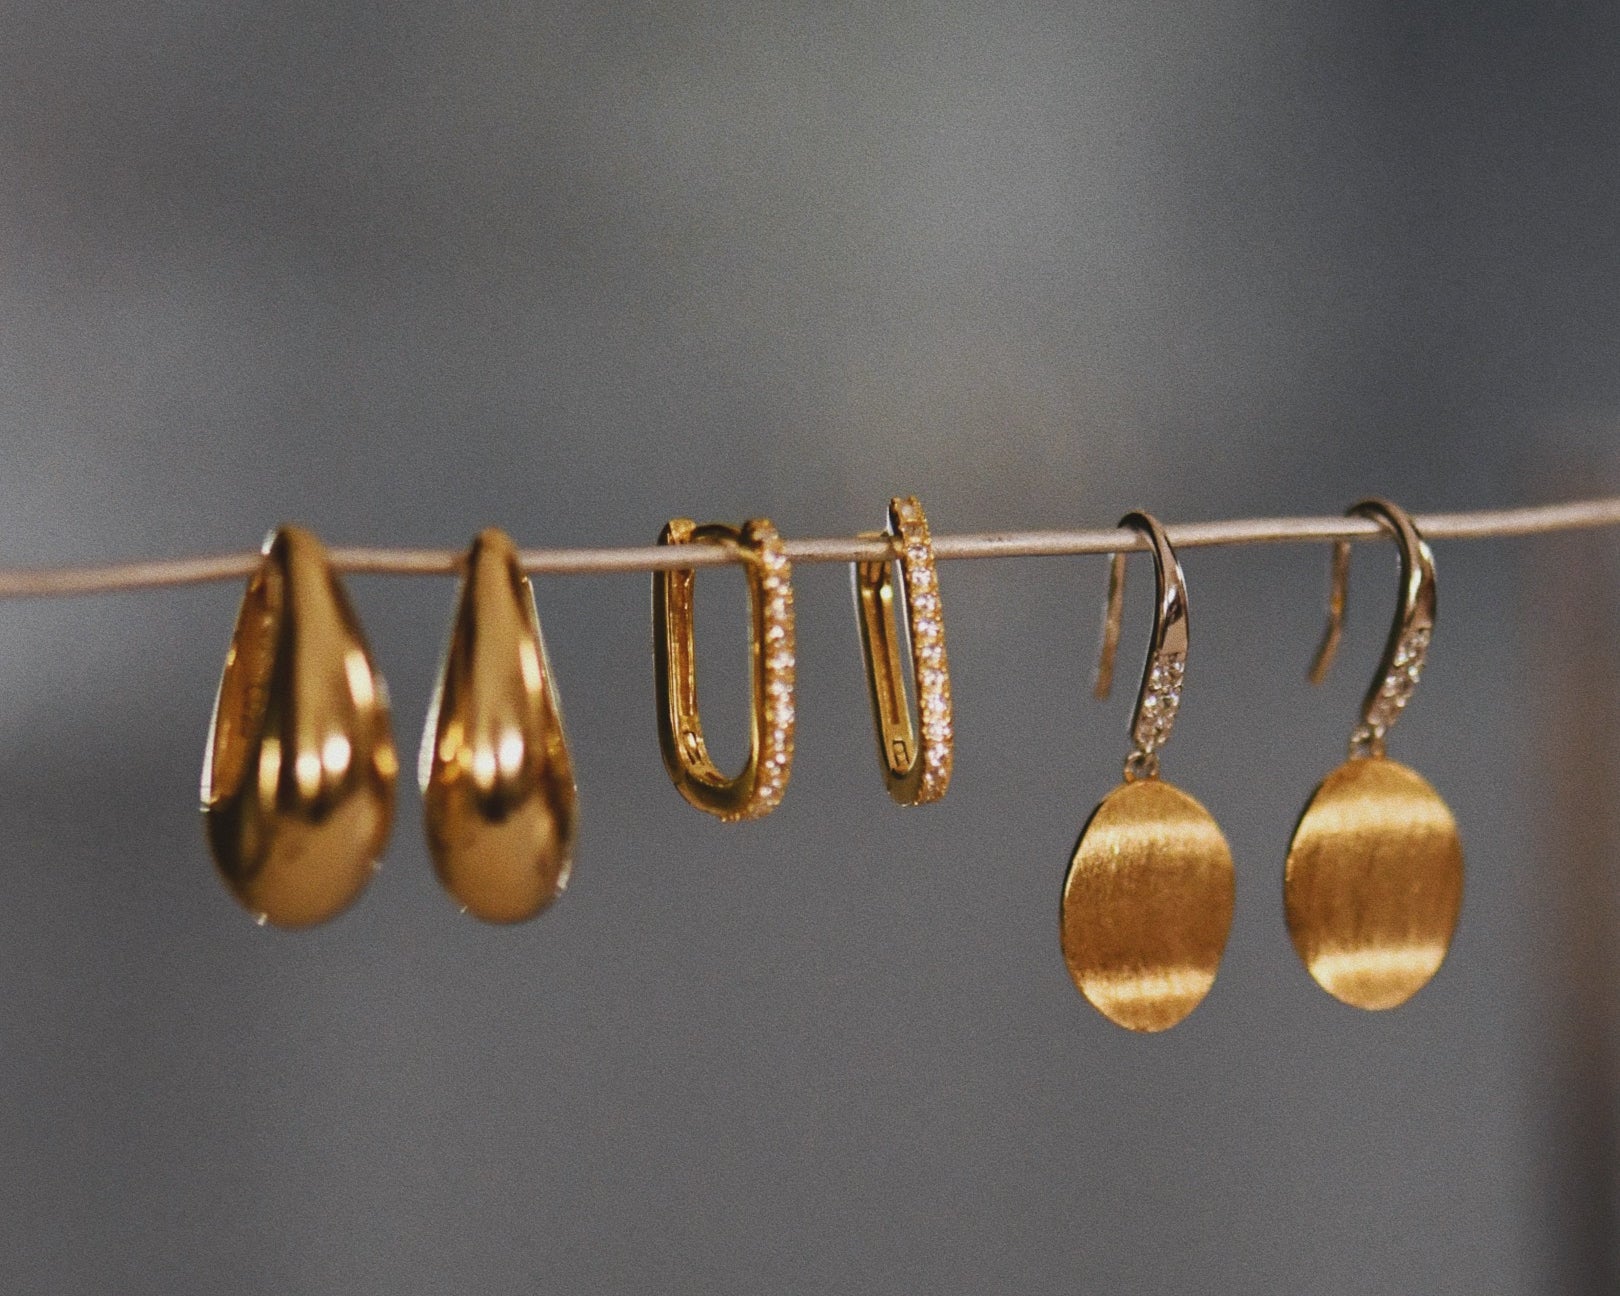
(497,780)
(1147,905)
(335,755)
(1373,884)
(298,780)
(269,768)
(1169,994)
(364,682)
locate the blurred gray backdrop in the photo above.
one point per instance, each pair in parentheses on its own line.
(400,271)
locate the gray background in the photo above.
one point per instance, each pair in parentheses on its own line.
(399,271)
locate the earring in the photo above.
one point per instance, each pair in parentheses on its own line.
(298,779)
(497,782)
(1147,902)
(758,789)
(1373,884)
(913,772)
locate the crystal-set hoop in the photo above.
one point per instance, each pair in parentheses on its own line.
(916,769)
(758,789)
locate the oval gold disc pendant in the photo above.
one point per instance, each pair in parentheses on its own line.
(1147,905)
(298,780)
(1374,881)
(497,781)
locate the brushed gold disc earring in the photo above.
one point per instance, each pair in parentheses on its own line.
(497,782)
(1373,884)
(298,778)
(1147,901)
(914,771)
(758,789)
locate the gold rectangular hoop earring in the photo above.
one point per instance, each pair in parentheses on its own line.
(758,789)
(915,772)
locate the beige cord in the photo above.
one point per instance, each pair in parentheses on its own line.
(1580,514)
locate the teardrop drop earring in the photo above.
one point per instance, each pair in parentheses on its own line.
(499,800)
(1372,888)
(1147,901)
(298,778)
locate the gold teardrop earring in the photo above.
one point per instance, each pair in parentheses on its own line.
(1147,902)
(758,789)
(497,782)
(298,778)
(1373,884)
(915,771)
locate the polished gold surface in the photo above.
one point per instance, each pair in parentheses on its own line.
(1147,905)
(499,802)
(915,770)
(298,779)
(758,788)
(1374,883)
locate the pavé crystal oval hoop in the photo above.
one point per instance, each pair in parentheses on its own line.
(1373,883)
(915,769)
(758,789)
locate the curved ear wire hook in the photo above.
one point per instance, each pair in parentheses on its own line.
(1409,634)
(1102,683)
(1160,695)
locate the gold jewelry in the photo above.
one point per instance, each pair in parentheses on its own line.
(1374,879)
(757,790)
(913,772)
(298,778)
(1147,902)
(498,792)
